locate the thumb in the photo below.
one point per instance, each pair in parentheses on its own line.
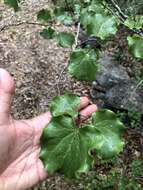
(6,92)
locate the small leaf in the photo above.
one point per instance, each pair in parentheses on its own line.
(65,148)
(62,16)
(102,26)
(67,104)
(135,22)
(82,65)
(135,43)
(48,33)
(65,39)
(13,4)
(109,134)
(65,19)
(44,15)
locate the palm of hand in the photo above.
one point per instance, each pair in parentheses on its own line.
(20,166)
(20,163)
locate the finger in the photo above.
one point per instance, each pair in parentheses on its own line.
(40,121)
(84,101)
(6,92)
(85,113)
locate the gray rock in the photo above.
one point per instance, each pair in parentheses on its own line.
(124,96)
(114,88)
(111,72)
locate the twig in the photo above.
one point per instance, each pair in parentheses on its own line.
(22,23)
(119,10)
(77,36)
(122,17)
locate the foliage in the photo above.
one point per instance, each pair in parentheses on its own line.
(131,7)
(135,22)
(67,144)
(98,21)
(132,117)
(82,64)
(65,105)
(66,140)
(13,3)
(65,39)
(137,168)
(114,178)
(136,46)
(96,17)
(48,33)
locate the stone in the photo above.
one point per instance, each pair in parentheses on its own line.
(114,88)
(111,72)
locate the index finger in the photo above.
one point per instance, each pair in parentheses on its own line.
(84,101)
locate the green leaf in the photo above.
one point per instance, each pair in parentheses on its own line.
(135,43)
(135,22)
(13,4)
(109,134)
(102,26)
(65,19)
(97,20)
(44,15)
(67,104)
(48,33)
(82,64)
(63,16)
(65,148)
(65,39)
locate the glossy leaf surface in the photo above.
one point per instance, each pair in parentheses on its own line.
(67,104)
(136,46)
(82,64)
(109,134)
(66,146)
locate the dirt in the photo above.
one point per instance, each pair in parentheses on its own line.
(36,65)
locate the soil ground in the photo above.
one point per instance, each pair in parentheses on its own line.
(36,65)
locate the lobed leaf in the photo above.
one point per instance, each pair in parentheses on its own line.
(98,21)
(134,22)
(102,26)
(13,4)
(135,43)
(65,39)
(44,15)
(66,147)
(67,104)
(62,16)
(110,130)
(48,33)
(82,64)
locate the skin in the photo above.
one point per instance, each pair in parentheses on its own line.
(20,166)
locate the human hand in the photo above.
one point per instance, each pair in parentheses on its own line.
(20,166)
